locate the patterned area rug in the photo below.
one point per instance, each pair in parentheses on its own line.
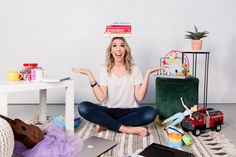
(208,144)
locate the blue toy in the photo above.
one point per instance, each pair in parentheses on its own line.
(61,120)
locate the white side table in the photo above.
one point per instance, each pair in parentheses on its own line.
(19,86)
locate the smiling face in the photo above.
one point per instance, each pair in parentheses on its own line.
(118,50)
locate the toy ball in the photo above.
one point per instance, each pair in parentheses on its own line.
(61,120)
(173,57)
(164,62)
(179,73)
(187,140)
(14,75)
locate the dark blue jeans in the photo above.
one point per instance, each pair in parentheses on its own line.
(113,118)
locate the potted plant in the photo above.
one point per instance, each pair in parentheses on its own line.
(196,38)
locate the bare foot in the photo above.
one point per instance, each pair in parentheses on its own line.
(99,128)
(140,131)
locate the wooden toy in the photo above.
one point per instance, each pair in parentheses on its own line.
(177,63)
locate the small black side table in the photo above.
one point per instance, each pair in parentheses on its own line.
(194,69)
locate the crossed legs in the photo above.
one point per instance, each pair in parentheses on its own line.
(120,120)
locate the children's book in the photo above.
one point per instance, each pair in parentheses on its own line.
(55,80)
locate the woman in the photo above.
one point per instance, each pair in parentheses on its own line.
(120,86)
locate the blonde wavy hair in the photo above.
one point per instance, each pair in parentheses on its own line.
(110,61)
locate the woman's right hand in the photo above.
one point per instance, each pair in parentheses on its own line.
(86,72)
(82,71)
(99,91)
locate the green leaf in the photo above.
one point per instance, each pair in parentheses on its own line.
(196,31)
(196,35)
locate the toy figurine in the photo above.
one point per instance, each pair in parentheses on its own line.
(178,117)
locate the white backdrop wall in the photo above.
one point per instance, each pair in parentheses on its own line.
(60,35)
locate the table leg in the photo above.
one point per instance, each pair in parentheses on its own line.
(206,79)
(43,105)
(3,104)
(69,107)
(193,66)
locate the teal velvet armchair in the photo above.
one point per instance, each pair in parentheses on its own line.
(169,91)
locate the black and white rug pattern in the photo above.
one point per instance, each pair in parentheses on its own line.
(208,144)
(215,144)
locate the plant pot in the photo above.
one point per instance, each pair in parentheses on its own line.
(196,44)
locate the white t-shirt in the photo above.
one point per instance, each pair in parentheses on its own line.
(120,90)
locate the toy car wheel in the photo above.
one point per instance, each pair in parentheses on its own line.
(218,127)
(196,132)
(185,130)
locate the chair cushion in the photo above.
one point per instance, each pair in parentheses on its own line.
(169,91)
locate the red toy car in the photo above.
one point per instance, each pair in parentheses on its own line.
(203,119)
